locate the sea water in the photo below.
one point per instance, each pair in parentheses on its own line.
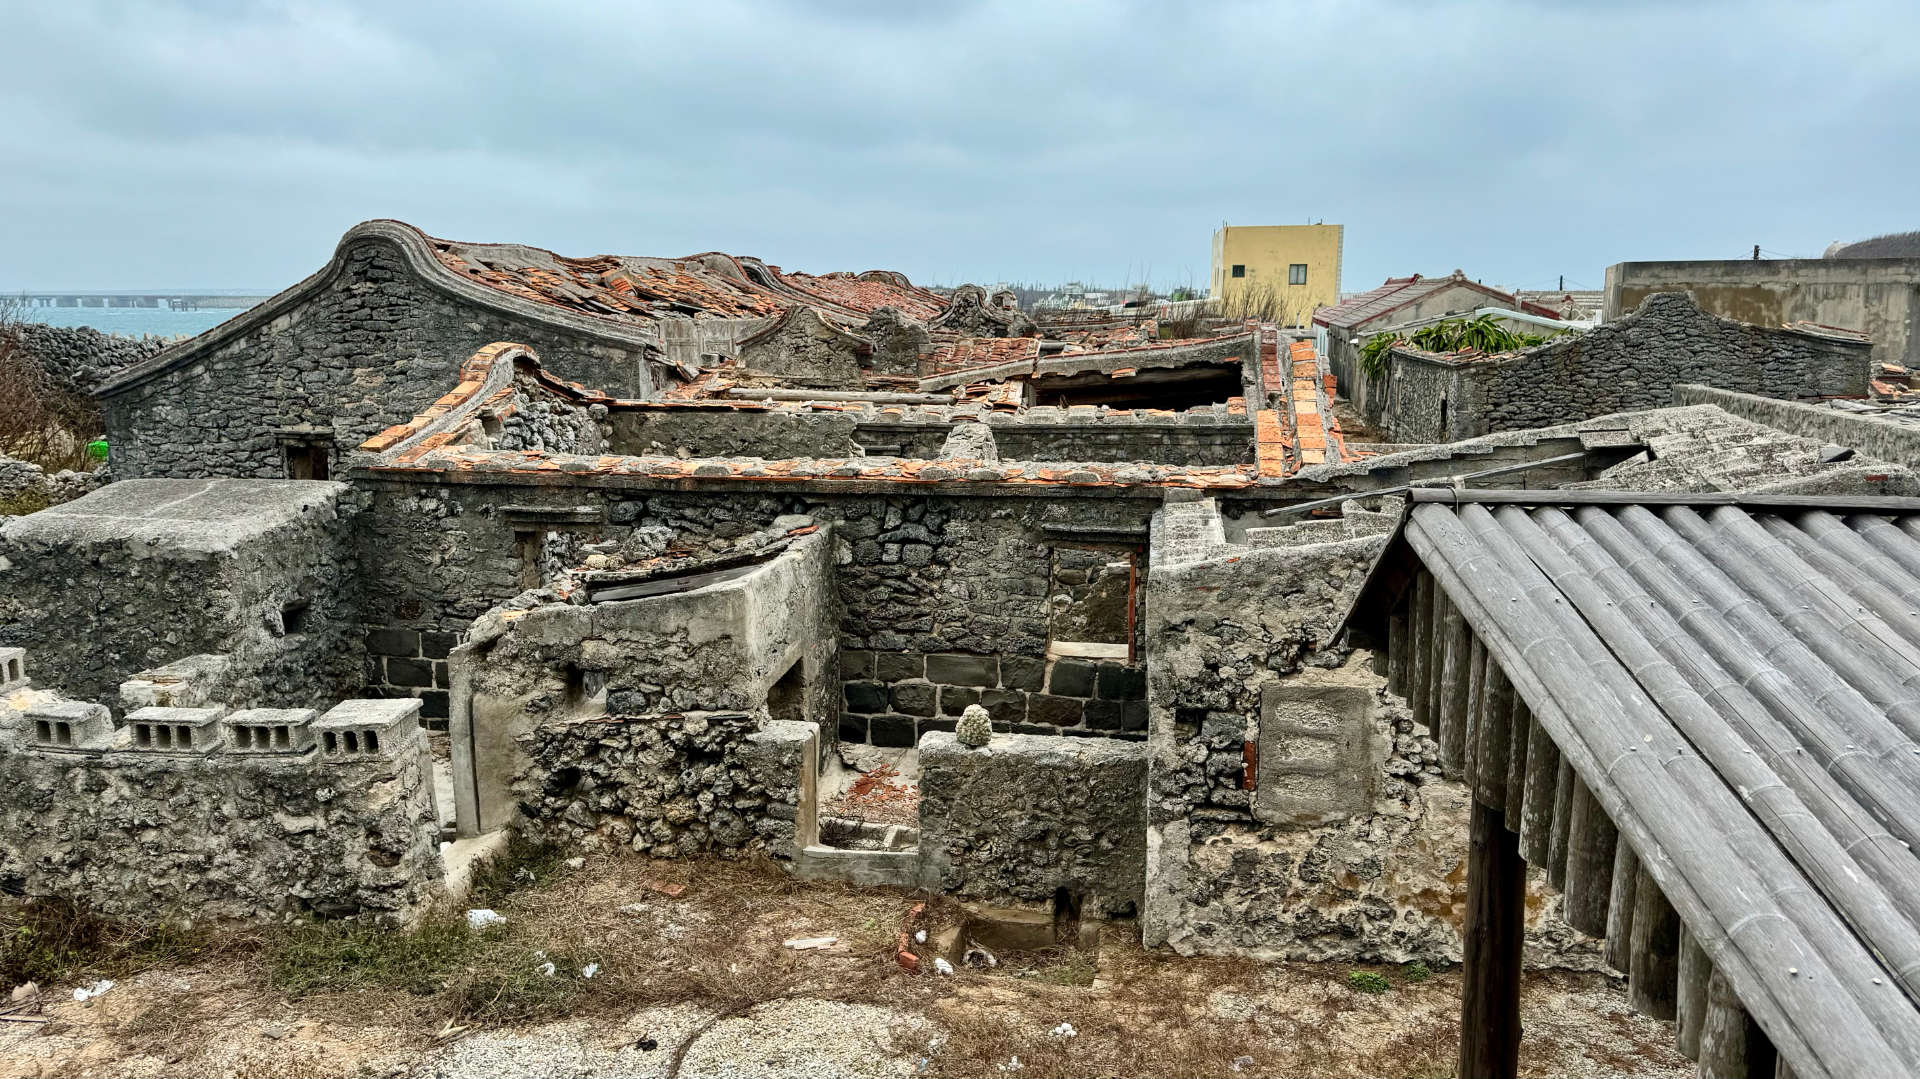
(133,321)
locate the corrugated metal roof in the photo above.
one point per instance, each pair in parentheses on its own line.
(1738,682)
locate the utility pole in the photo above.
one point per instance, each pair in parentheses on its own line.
(1756,252)
(1563,284)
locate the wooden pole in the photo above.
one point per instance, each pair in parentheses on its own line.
(1518,735)
(1654,979)
(1419,650)
(1492,730)
(1458,643)
(1397,653)
(1470,725)
(1562,823)
(1626,875)
(1490,974)
(1690,1003)
(1536,811)
(1732,1045)
(1591,838)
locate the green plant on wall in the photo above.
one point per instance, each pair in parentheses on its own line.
(1373,354)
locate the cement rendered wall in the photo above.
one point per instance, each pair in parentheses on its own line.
(1024,816)
(1877,297)
(529,679)
(109,585)
(373,348)
(1626,365)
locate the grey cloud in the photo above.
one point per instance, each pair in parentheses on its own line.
(230,144)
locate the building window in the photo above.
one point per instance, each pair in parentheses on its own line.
(1239,270)
(1297,274)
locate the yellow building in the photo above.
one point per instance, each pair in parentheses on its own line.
(1278,272)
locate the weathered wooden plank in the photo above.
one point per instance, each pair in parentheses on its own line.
(1491,733)
(1536,808)
(1562,821)
(1653,977)
(1453,686)
(1519,735)
(1491,952)
(1591,838)
(1690,999)
(1626,877)
(1732,1045)
(1470,727)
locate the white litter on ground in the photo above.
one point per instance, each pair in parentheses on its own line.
(480,919)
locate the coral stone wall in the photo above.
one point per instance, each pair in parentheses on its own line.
(1025,816)
(668,785)
(143,835)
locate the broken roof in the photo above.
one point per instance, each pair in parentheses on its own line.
(1399,292)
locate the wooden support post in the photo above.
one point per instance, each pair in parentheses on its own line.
(1655,974)
(1591,838)
(1490,973)
(1476,692)
(1520,732)
(1536,810)
(1690,1002)
(1453,700)
(1397,653)
(1492,732)
(1562,822)
(1626,877)
(1419,649)
(1437,658)
(1732,1046)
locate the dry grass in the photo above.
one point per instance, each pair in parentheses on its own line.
(709,933)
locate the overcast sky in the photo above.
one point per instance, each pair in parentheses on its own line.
(228,144)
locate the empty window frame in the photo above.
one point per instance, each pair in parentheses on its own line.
(1239,270)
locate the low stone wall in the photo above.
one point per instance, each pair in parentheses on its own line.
(892,698)
(80,358)
(1025,816)
(215,832)
(729,432)
(667,785)
(1621,366)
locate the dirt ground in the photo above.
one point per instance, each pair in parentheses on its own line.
(691,976)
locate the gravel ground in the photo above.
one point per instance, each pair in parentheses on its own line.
(779,1040)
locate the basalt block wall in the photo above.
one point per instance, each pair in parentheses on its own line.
(1621,366)
(371,348)
(954,587)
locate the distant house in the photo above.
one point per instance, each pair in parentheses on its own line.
(1402,302)
(1280,273)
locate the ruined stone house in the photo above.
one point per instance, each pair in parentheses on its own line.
(640,553)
